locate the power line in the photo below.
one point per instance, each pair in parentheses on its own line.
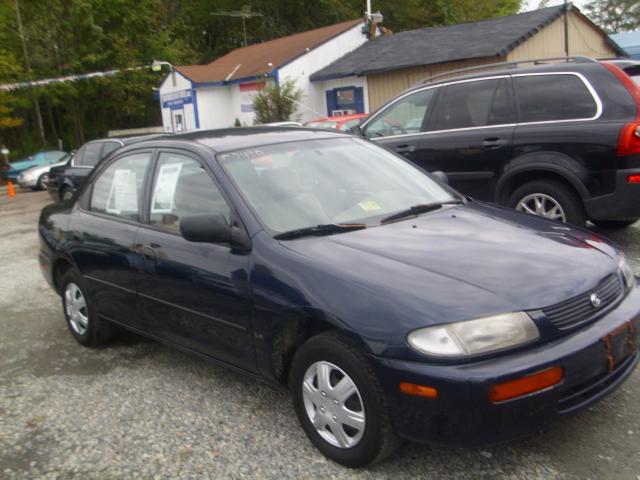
(245,13)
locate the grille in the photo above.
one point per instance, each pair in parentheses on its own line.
(579,309)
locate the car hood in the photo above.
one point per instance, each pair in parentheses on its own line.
(466,261)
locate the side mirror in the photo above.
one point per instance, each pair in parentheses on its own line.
(213,229)
(356,130)
(441,177)
(205,228)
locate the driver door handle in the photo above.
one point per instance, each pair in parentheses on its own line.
(148,252)
(494,143)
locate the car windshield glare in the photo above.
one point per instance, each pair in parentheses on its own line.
(341,181)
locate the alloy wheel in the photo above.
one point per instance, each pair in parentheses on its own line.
(333,404)
(542,205)
(76,307)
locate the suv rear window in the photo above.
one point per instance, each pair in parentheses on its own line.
(545,98)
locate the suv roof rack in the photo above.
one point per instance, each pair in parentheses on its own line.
(535,61)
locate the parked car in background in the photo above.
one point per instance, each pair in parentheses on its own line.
(631,67)
(37,177)
(37,159)
(339,122)
(561,140)
(64,180)
(391,305)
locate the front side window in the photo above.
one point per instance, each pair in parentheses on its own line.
(473,104)
(403,117)
(545,98)
(90,155)
(118,189)
(181,188)
(303,184)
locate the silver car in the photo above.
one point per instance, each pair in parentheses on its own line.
(37,177)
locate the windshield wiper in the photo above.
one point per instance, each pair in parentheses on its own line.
(317,230)
(420,208)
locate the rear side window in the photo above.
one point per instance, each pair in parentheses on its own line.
(474,104)
(545,98)
(118,189)
(90,155)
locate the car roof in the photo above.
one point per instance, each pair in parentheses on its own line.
(226,139)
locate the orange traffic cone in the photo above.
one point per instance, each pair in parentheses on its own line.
(10,190)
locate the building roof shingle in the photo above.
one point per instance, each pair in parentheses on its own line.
(252,61)
(426,46)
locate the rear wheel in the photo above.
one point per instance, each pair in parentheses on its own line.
(66,193)
(81,317)
(550,199)
(614,224)
(340,403)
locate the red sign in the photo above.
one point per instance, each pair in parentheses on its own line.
(252,86)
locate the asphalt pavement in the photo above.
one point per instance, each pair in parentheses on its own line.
(136,409)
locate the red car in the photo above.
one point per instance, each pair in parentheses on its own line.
(341,122)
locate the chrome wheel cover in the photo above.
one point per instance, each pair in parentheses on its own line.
(75,306)
(542,205)
(333,404)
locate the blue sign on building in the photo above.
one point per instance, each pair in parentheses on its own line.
(175,100)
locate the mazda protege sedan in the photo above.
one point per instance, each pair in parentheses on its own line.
(392,306)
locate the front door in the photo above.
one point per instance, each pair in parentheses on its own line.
(469,135)
(104,249)
(192,294)
(177,120)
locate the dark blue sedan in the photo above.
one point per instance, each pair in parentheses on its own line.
(390,305)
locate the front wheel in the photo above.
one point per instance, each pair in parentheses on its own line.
(550,199)
(42,181)
(340,403)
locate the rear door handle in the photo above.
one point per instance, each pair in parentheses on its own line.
(494,143)
(403,149)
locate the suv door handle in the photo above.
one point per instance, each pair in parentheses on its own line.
(494,143)
(147,252)
(406,148)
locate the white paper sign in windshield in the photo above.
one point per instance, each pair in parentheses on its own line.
(163,194)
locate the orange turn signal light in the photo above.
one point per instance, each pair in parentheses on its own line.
(633,179)
(527,384)
(418,390)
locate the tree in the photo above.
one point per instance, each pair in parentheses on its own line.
(615,15)
(276,102)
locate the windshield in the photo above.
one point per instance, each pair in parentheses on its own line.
(298,185)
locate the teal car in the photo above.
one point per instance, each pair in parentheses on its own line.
(37,159)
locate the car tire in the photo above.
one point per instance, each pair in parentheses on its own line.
(365,405)
(557,201)
(79,313)
(614,224)
(66,194)
(40,184)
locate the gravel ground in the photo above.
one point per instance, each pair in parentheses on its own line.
(136,409)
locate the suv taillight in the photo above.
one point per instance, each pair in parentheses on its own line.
(629,138)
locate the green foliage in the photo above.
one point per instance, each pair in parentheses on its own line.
(615,15)
(65,37)
(276,102)
(237,123)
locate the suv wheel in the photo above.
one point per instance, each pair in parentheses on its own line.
(340,403)
(549,199)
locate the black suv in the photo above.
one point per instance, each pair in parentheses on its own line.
(64,180)
(558,139)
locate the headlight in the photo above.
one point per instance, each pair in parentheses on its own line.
(627,271)
(471,337)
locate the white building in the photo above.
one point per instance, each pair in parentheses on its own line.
(216,94)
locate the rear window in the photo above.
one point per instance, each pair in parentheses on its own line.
(545,98)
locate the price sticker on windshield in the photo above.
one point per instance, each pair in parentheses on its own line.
(369,205)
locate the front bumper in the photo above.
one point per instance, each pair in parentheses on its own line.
(621,205)
(26,182)
(463,415)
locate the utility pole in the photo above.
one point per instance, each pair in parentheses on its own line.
(27,64)
(244,14)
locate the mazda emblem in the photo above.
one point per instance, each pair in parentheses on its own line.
(596,301)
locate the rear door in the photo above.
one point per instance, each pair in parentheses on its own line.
(400,125)
(470,134)
(104,231)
